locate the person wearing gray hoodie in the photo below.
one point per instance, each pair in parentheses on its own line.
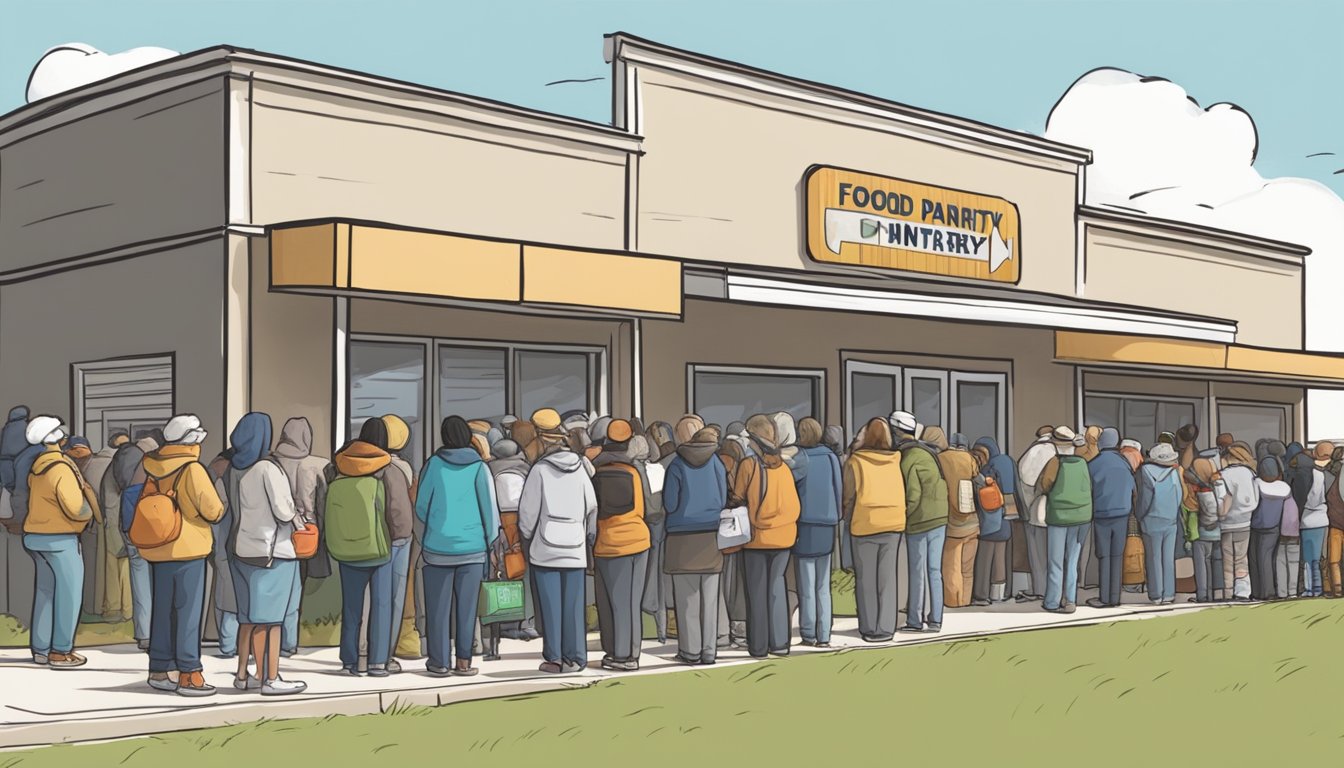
(307,483)
(557,519)
(509,469)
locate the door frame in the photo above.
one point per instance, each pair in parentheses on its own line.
(880,369)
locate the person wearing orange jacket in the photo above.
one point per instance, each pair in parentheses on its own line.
(621,552)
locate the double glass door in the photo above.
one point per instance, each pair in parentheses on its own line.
(971,403)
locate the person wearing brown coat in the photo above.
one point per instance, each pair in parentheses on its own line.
(963,526)
(765,486)
(733,602)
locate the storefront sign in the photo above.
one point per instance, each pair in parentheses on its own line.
(877,221)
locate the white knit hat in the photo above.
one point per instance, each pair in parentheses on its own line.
(904,421)
(44,429)
(184,429)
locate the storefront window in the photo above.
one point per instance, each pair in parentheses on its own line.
(472,382)
(978,410)
(1253,422)
(872,396)
(389,378)
(926,400)
(1138,418)
(722,397)
(556,380)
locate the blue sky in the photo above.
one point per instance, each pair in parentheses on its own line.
(1003,62)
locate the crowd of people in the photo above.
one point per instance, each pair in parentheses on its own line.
(731,528)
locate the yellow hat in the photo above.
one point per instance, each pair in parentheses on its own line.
(618,431)
(546,419)
(398,432)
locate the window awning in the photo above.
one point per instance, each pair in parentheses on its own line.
(378,261)
(1312,369)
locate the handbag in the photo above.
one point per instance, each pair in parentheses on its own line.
(305,540)
(515,561)
(500,599)
(734,528)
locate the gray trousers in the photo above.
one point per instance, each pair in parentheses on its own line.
(1261,556)
(1036,556)
(767,600)
(876,559)
(732,586)
(696,596)
(992,565)
(1286,566)
(1208,557)
(619,590)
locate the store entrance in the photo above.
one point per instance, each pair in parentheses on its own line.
(970,403)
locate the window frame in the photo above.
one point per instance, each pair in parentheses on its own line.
(972,377)
(1199,404)
(897,374)
(818,376)
(944,402)
(76,419)
(1287,408)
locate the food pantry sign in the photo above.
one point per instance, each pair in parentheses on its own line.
(877,221)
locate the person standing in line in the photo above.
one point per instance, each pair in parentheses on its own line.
(60,505)
(406,561)
(765,486)
(456,507)
(177,567)
(1315,519)
(1203,479)
(1113,495)
(695,492)
(19,565)
(116,592)
(1158,508)
(1275,496)
(818,478)
(142,585)
(732,585)
(842,554)
(963,525)
(1334,508)
(307,483)
(1031,502)
(994,558)
(91,467)
(621,552)
(557,519)
(1236,507)
(1067,488)
(262,559)
(874,503)
(925,524)
(509,469)
(225,602)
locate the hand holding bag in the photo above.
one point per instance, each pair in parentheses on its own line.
(734,528)
(305,539)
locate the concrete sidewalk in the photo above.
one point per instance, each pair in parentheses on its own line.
(108,698)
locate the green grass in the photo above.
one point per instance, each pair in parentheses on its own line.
(13,634)
(842,594)
(1238,686)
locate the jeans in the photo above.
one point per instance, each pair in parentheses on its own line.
(813,575)
(289,631)
(767,600)
(1236,565)
(175,624)
(696,598)
(401,569)
(924,570)
(354,580)
(1110,534)
(57,591)
(142,590)
(1064,547)
(1286,563)
(1261,558)
(1159,559)
(1037,556)
(560,597)
(1313,540)
(227,624)
(1208,569)
(876,562)
(448,587)
(619,592)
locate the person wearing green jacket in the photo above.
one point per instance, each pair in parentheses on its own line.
(1067,485)
(925,524)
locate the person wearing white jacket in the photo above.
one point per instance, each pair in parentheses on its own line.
(557,520)
(1029,469)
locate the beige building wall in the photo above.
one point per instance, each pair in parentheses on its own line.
(1263,296)
(141,171)
(722,177)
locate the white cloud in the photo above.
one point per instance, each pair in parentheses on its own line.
(71,65)
(1156,150)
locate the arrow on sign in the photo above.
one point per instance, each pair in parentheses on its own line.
(866,229)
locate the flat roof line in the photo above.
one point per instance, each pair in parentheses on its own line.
(1172,225)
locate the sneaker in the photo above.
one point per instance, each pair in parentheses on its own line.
(142,645)
(1095,602)
(780,652)
(711,661)
(1170,600)
(822,644)
(437,671)
(160,681)
(571,667)
(1069,607)
(933,629)
(908,628)
(393,666)
(284,654)
(350,671)
(376,670)
(193,684)
(65,660)
(467,671)
(249,683)
(278,687)
(1026,597)
(550,668)
(979,603)
(683,659)
(40,659)
(616,665)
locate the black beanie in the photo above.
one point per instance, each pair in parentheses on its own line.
(456,433)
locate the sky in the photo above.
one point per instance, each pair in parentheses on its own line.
(1004,62)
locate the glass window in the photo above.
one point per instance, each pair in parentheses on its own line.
(556,380)
(722,398)
(1253,422)
(389,378)
(872,396)
(978,410)
(1141,421)
(926,401)
(1172,416)
(472,383)
(1102,411)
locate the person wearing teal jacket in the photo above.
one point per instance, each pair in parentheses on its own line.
(455,502)
(1067,485)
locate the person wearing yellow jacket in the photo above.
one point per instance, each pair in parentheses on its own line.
(60,506)
(177,568)
(765,485)
(621,552)
(873,493)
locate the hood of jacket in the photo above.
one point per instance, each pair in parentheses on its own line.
(360,458)
(562,460)
(124,462)
(250,440)
(508,463)
(989,445)
(18,413)
(296,440)
(697,454)
(171,458)
(876,458)
(458,456)
(936,437)
(12,439)
(45,459)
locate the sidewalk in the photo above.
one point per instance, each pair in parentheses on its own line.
(108,698)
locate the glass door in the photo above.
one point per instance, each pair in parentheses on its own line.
(979,406)
(872,390)
(926,396)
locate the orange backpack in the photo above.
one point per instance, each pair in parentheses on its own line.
(158,518)
(991,497)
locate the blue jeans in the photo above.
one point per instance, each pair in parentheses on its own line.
(1159,558)
(289,631)
(1313,539)
(814,598)
(227,624)
(175,624)
(448,587)
(142,590)
(354,580)
(401,568)
(57,591)
(1111,533)
(560,596)
(1063,547)
(924,569)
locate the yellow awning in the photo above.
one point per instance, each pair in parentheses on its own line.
(342,258)
(1311,368)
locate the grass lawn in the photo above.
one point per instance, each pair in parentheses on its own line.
(13,634)
(1239,686)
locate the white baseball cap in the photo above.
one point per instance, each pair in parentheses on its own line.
(904,421)
(44,429)
(184,429)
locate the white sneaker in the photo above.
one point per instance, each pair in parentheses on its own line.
(278,687)
(250,684)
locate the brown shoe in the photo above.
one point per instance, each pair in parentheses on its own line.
(193,684)
(65,660)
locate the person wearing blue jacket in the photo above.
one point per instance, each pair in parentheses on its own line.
(819,489)
(695,491)
(994,556)
(455,504)
(1158,508)
(1113,488)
